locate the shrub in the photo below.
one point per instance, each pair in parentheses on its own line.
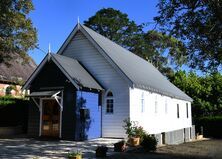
(76,154)
(101,151)
(149,143)
(132,129)
(212,126)
(120,146)
(7,100)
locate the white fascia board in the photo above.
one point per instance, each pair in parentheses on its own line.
(104,54)
(72,34)
(66,42)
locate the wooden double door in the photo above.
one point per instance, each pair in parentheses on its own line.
(50,118)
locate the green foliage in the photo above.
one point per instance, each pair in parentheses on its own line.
(132,129)
(116,26)
(206,91)
(198,24)
(149,143)
(162,50)
(17,34)
(120,146)
(74,154)
(13,111)
(211,126)
(7,100)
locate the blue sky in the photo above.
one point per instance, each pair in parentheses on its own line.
(55,19)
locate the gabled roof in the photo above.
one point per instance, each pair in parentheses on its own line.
(71,68)
(136,70)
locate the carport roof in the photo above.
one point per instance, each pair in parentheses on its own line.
(43,94)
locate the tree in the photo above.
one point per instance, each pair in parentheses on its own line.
(198,24)
(163,51)
(206,91)
(17,34)
(116,26)
(153,46)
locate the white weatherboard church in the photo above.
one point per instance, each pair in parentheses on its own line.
(122,85)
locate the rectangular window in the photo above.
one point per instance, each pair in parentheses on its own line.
(109,106)
(166,104)
(156,105)
(142,102)
(187,110)
(178,111)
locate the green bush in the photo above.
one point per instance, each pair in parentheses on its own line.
(7,100)
(133,129)
(149,143)
(13,111)
(212,126)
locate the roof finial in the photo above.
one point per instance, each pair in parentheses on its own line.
(49,49)
(78,22)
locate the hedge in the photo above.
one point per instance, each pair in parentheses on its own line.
(13,112)
(212,126)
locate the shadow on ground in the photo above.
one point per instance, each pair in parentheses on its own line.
(17,148)
(22,148)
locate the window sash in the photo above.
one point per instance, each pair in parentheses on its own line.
(187,110)
(178,111)
(109,106)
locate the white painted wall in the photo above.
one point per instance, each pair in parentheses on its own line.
(127,101)
(163,120)
(81,49)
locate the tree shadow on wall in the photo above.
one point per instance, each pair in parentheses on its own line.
(83,118)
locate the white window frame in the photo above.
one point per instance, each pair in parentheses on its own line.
(187,110)
(166,105)
(178,111)
(142,102)
(156,105)
(109,98)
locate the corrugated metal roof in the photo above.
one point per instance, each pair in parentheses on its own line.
(75,70)
(142,73)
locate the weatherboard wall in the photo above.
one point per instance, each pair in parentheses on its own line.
(84,51)
(160,118)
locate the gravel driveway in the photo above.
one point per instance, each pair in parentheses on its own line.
(20,148)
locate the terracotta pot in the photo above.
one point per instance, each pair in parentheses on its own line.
(134,141)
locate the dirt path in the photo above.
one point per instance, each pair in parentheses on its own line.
(207,149)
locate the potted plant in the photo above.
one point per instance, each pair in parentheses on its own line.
(120,146)
(74,155)
(101,151)
(134,132)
